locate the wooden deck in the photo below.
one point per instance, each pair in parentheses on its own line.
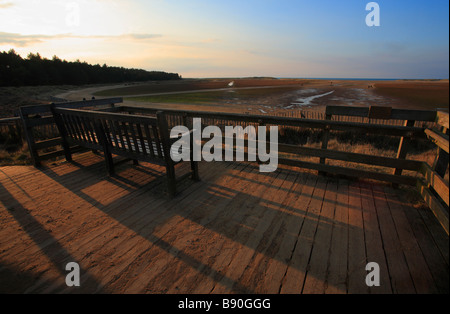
(236,231)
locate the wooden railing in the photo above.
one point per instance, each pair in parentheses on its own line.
(434,189)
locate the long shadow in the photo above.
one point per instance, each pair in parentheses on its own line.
(121,181)
(212,200)
(55,252)
(14,280)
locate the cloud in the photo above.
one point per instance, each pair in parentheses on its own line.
(141,36)
(20,40)
(5,5)
(26,40)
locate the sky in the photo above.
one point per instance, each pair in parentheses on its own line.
(237,38)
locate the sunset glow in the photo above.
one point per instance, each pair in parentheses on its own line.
(236,38)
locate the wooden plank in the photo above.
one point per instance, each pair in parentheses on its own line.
(48,143)
(60,152)
(436,182)
(35,109)
(126,245)
(442,119)
(150,140)
(414,132)
(401,281)
(119,132)
(65,126)
(159,231)
(348,111)
(128,144)
(29,136)
(416,115)
(92,244)
(157,245)
(337,272)
(299,264)
(142,139)
(437,233)
(79,127)
(265,238)
(425,232)
(316,277)
(10,120)
(151,236)
(440,164)
(108,116)
(418,268)
(357,259)
(373,239)
(439,139)
(436,205)
(380,112)
(403,147)
(34,122)
(133,132)
(113,133)
(413,165)
(71,121)
(211,225)
(325,138)
(293,208)
(398,114)
(337,170)
(236,206)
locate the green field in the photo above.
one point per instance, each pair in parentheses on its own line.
(208,97)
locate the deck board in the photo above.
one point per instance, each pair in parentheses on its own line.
(235,231)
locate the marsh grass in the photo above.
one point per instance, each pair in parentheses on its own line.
(208,97)
(14,156)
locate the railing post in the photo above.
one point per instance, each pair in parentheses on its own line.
(403,146)
(28,132)
(325,138)
(440,164)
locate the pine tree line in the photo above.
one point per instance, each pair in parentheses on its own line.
(35,70)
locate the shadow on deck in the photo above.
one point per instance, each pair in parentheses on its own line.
(237,230)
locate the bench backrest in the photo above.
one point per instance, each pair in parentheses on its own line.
(133,136)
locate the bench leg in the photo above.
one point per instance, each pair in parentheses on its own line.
(135,162)
(68,155)
(194,168)
(109,163)
(67,152)
(171,180)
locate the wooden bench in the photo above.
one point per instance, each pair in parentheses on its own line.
(139,138)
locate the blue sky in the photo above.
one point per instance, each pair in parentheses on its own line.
(206,38)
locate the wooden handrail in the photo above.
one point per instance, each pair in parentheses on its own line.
(46,108)
(413,132)
(396,114)
(442,119)
(439,139)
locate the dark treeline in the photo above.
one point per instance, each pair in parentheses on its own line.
(35,70)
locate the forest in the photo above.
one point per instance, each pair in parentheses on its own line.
(34,70)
